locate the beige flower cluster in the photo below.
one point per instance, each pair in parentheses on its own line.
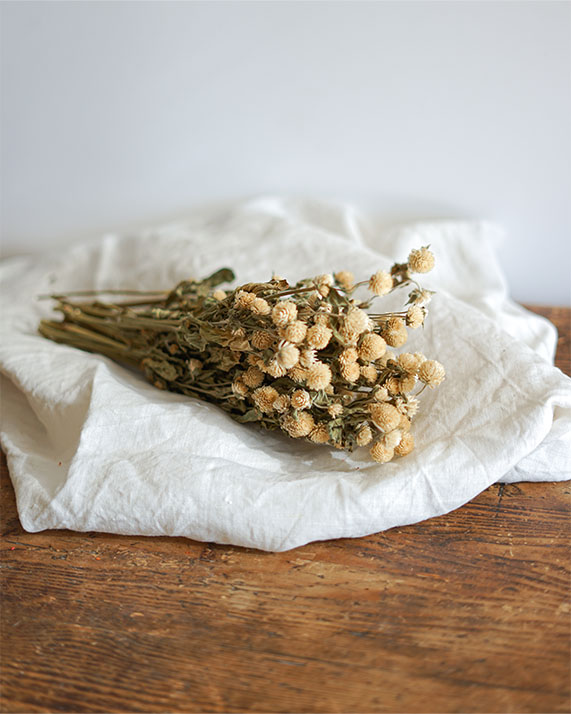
(318,364)
(313,359)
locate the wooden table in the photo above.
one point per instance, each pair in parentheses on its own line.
(467,612)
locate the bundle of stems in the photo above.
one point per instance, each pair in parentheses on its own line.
(310,359)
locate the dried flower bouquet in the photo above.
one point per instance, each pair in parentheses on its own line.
(309,359)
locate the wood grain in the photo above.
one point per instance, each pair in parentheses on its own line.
(468,612)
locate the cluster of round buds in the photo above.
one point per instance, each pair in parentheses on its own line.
(313,359)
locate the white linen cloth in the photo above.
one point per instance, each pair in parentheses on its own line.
(92,446)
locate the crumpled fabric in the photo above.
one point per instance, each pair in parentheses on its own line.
(91,446)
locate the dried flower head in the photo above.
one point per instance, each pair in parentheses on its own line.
(264,398)
(288,355)
(219,295)
(300,399)
(380,283)
(385,416)
(345,279)
(323,283)
(334,410)
(406,444)
(239,388)
(284,312)
(409,362)
(381,394)
(364,436)
(372,347)
(347,356)
(432,373)
(407,383)
(381,453)
(262,340)
(274,369)
(319,435)
(394,332)
(298,426)
(420,260)
(307,357)
(295,331)
(243,299)
(415,316)
(318,337)
(282,404)
(351,372)
(369,373)
(253,377)
(392,439)
(259,306)
(298,374)
(356,320)
(318,376)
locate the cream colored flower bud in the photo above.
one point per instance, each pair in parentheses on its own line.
(318,376)
(300,399)
(432,373)
(253,377)
(282,404)
(356,320)
(347,356)
(243,299)
(219,294)
(351,372)
(393,385)
(412,406)
(307,357)
(295,331)
(380,283)
(264,398)
(239,388)
(319,435)
(404,424)
(407,383)
(345,279)
(415,316)
(385,416)
(300,426)
(298,374)
(392,439)
(381,453)
(364,436)
(274,369)
(322,319)
(372,347)
(349,338)
(406,445)
(369,373)
(335,410)
(394,332)
(323,283)
(284,312)
(381,394)
(288,355)
(420,260)
(318,337)
(409,362)
(262,340)
(259,306)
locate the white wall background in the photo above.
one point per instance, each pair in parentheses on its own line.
(114,114)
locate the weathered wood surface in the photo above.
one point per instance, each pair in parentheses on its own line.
(468,612)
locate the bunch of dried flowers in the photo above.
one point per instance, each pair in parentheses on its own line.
(310,359)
